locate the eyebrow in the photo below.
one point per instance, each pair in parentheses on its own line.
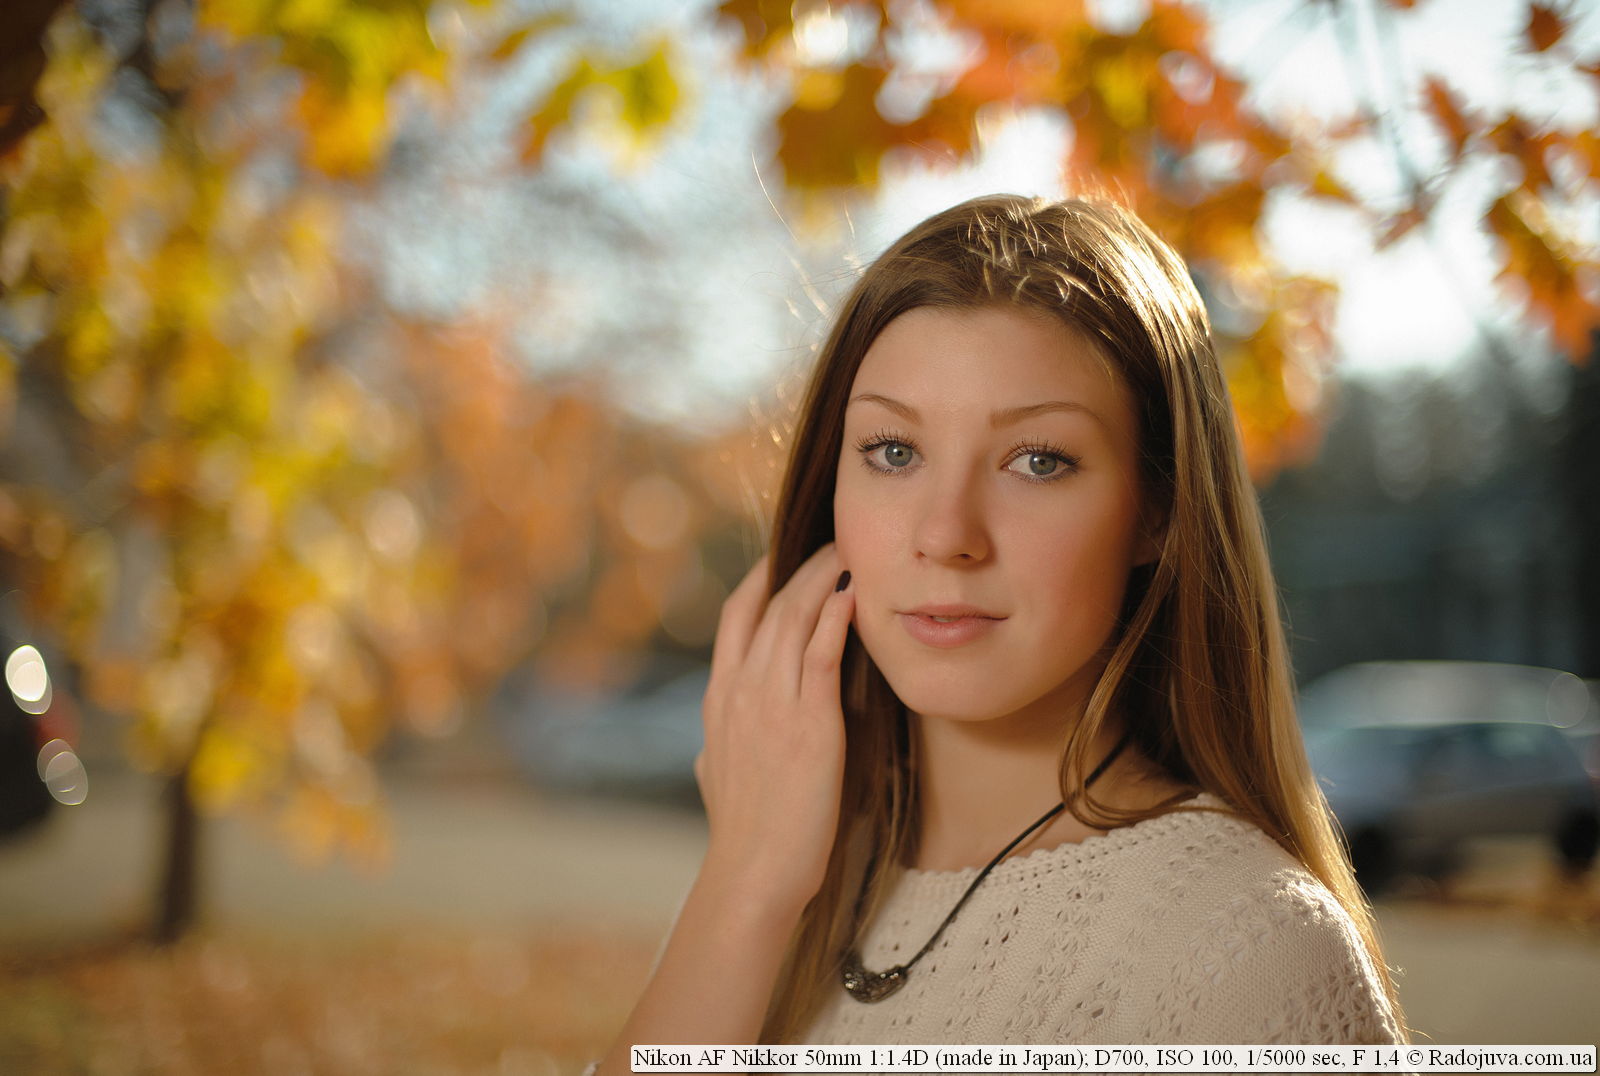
(1006,416)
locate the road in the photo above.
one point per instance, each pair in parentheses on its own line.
(1500,960)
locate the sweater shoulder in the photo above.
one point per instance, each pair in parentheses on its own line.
(1257,948)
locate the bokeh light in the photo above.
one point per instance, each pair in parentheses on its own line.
(28,679)
(63,773)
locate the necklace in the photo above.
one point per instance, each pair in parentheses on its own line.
(865,986)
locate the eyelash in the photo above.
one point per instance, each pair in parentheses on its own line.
(872,442)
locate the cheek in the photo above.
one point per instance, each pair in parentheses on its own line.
(1083,571)
(863,527)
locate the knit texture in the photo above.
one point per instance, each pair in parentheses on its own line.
(1192,927)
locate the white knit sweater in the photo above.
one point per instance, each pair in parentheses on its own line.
(1193,927)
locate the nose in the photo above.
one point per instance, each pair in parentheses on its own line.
(951,525)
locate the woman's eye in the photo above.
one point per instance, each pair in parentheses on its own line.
(895,454)
(1040,464)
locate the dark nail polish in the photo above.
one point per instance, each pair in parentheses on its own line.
(844,581)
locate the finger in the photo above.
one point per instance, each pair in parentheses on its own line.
(736,625)
(791,617)
(819,672)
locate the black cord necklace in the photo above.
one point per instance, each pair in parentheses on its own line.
(864,985)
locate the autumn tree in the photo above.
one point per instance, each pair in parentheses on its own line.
(262,516)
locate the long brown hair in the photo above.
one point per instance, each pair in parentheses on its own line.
(1199,675)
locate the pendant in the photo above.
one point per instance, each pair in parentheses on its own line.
(866,986)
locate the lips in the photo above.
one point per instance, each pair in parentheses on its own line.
(946,626)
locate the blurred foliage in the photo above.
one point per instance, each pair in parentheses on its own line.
(263,516)
(1157,120)
(639,97)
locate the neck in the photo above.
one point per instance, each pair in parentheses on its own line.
(980,783)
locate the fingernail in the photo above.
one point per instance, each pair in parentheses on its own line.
(844,581)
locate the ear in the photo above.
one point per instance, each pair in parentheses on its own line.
(1152,536)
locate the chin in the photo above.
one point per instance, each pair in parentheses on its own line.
(951,689)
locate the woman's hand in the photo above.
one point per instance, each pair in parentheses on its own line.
(770,774)
(773,765)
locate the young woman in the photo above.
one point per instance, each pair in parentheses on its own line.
(1051,788)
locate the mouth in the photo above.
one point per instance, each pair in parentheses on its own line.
(949,614)
(944,627)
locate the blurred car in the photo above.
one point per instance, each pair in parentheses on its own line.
(640,743)
(1418,758)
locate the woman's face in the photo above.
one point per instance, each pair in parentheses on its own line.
(988,509)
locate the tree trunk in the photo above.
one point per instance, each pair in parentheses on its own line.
(178,891)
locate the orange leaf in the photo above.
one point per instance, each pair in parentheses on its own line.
(1177,27)
(950,121)
(1039,20)
(1446,110)
(1536,259)
(1587,145)
(764,22)
(994,75)
(1325,185)
(1223,224)
(839,145)
(1545,27)
(1350,127)
(1515,138)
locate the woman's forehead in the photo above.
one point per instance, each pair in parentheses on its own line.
(995,360)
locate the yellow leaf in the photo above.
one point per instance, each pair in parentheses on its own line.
(644,96)
(308,17)
(512,43)
(1123,83)
(87,340)
(818,89)
(557,108)
(1324,184)
(649,91)
(345,135)
(223,768)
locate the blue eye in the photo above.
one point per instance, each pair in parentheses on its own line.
(896,454)
(1039,463)
(886,454)
(890,455)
